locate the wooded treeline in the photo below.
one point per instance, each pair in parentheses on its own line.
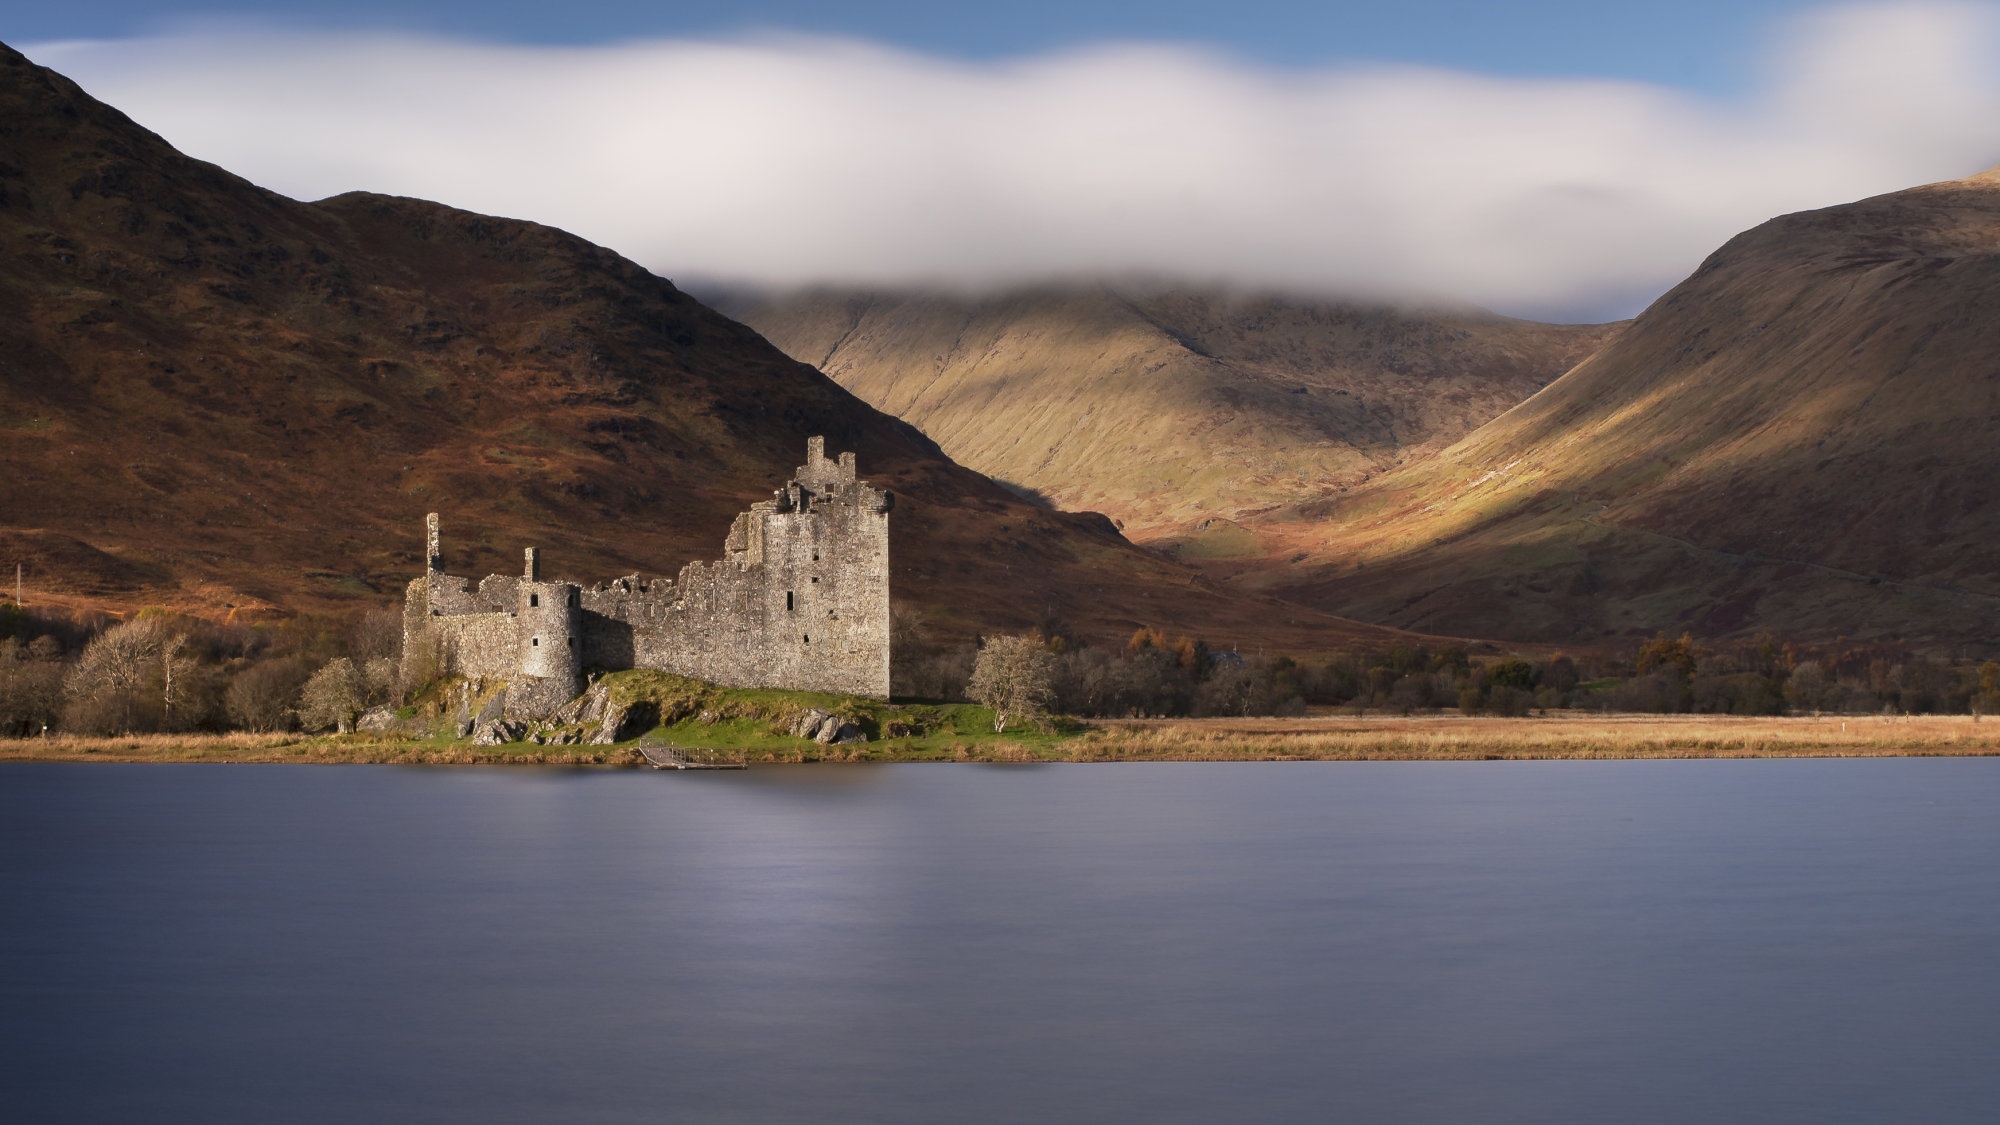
(1155,674)
(157,671)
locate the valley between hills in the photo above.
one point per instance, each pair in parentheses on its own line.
(1795,440)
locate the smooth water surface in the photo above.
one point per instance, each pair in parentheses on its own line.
(1798,941)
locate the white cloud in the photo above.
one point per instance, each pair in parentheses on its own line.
(788,160)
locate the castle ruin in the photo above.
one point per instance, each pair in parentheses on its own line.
(799,600)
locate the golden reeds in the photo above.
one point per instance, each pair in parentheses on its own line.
(1313,738)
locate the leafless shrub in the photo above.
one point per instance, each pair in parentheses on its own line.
(260,697)
(332,697)
(30,690)
(1015,676)
(116,685)
(376,635)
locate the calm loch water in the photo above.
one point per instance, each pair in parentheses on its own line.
(1796,941)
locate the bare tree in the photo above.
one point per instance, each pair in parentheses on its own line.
(174,667)
(378,677)
(375,635)
(423,661)
(116,665)
(30,690)
(260,697)
(333,697)
(1807,688)
(1015,676)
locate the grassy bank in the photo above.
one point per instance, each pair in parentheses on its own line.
(966,735)
(1558,736)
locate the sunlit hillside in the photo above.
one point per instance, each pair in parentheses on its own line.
(1799,437)
(1178,411)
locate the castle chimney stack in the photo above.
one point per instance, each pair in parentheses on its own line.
(433,550)
(533,569)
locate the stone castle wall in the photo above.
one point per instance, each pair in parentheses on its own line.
(799,600)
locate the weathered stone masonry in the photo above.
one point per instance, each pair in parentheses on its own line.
(800,600)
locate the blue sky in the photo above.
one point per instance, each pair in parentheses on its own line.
(1706,45)
(1555,159)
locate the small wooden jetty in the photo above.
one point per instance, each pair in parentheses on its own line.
(677,758)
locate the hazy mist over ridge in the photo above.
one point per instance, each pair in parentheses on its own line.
(791,160)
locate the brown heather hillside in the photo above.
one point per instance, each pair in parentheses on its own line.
(1800,437)
(217,399)
(1171,409)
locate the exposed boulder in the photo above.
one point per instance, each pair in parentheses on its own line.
(621,721)
(462,723)
(585,709)
(376,719)
(825,727)
(808,724)
(498,732)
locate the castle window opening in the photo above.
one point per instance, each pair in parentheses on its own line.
(534,640)
(572,642)
(576,597)
(534,600)
(808,637)
(815,579)
(788,601)
(815,556)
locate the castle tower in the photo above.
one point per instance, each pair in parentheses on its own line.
(799,600)
(548,640)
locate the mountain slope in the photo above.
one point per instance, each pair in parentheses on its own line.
(216,398)
(1797,437)
(1168,407)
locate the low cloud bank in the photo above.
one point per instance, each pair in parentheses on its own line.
(786,161)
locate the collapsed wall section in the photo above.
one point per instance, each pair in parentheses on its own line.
(800,600)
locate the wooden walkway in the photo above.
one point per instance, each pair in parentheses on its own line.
(675,758)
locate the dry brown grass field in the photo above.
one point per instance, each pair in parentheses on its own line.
(1455,737)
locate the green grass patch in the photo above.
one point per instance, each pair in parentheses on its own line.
(757,724)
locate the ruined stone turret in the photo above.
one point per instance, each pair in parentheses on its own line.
(800,599)
(546,638)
